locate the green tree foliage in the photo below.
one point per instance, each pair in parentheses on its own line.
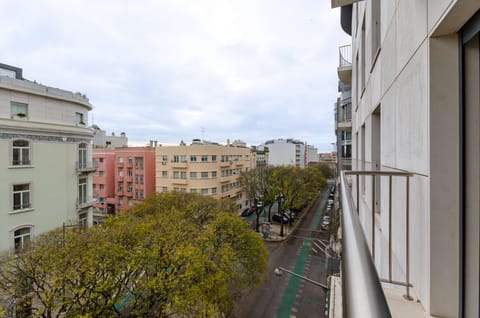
(175,254)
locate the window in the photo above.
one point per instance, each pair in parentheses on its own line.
(193,175)
(21,153)
(130,202)
(204,158)
(101,186)
(176,175)
(193,158)
(140,194)
(176,158)
(183,158)
(101,173)
(139,163)
(129,187)
(120,159)
(204,175)
(214,174)
(129,173)
(83,219)
(120,187)
(120,173)
(130,160)
(141,179)
(18,110)
(136,179)
(204,191)
(79,119)
(82,156)
(214,158)
(183,190)
(164,174)
(100,159)
(193,190)
(183,175)
(164,158)
(94,186)
(21,238)
(82,190)
(214,190)
(164,189)
(21,196)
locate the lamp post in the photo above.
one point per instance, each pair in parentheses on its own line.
(278,271)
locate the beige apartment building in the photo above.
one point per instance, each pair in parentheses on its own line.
(204,167)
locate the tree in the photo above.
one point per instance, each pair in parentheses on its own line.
(175,254)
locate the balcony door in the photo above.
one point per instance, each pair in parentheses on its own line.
(470,221)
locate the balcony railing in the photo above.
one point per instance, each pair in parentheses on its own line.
(358,260)
(86,166)
(345,55)
(85,202)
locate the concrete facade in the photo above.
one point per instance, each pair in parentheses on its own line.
(206,168)
(125,177)
(415,79)
(102,140)
(46,163)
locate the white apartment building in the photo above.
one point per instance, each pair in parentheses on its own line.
(204,167)
(285,152)
(312,154)
(415,78)
(45,159)
(102,140)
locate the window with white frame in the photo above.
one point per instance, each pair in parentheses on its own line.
(21,196)
(21,238)
(79,119)
(204,158)
(214,158)
(193,158)
(204,175)
(82,190)
(204,191)
(214,190)
(164,189)
(183,158)
(18,110)
(176,158)
(183,175)
(20,152)
(193,175)
(82,156)
(214,174)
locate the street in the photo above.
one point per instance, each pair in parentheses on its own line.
(287,295)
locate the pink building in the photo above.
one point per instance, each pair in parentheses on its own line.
(125,176)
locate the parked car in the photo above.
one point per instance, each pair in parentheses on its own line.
(330,201)
(280,218)
(247,212)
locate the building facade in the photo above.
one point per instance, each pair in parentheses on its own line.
(343,111)
(285,152)
(102,140)
(46,159)
(125,177)
(415,78)
(206,168)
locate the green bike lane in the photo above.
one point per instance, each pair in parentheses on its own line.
(290,295)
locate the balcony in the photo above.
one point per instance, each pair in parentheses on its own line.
(120,164)
(85,202)
(86,166)
(344,69)
(391,295)
(129,194)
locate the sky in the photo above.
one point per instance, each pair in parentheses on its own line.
(173,70)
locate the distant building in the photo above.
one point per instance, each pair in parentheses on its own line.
(285,152)
(343,115)
(124,178)
(102,140)
(204,167)
(260,157)
(312,154)
(46,165)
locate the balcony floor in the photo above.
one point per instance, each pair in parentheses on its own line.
(399,306)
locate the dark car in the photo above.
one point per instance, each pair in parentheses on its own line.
(247,212)
(280,218)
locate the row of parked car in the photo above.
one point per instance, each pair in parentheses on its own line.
(330,204)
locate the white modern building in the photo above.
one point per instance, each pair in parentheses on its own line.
(415,78)
(45,159)
(312,154)
(285,152)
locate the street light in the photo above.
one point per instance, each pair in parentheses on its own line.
(278,272)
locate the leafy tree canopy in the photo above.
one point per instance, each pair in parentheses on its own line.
(175,254)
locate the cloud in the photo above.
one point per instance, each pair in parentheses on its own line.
(165,70)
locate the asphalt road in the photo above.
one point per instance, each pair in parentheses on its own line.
(287,295)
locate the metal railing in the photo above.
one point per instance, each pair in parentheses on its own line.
(358,260)
(86,166)
(345,55)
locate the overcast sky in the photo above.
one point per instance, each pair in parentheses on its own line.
(172,70)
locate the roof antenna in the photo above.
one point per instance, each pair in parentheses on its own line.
(203,134)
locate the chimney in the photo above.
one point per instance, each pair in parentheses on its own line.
(155,143)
